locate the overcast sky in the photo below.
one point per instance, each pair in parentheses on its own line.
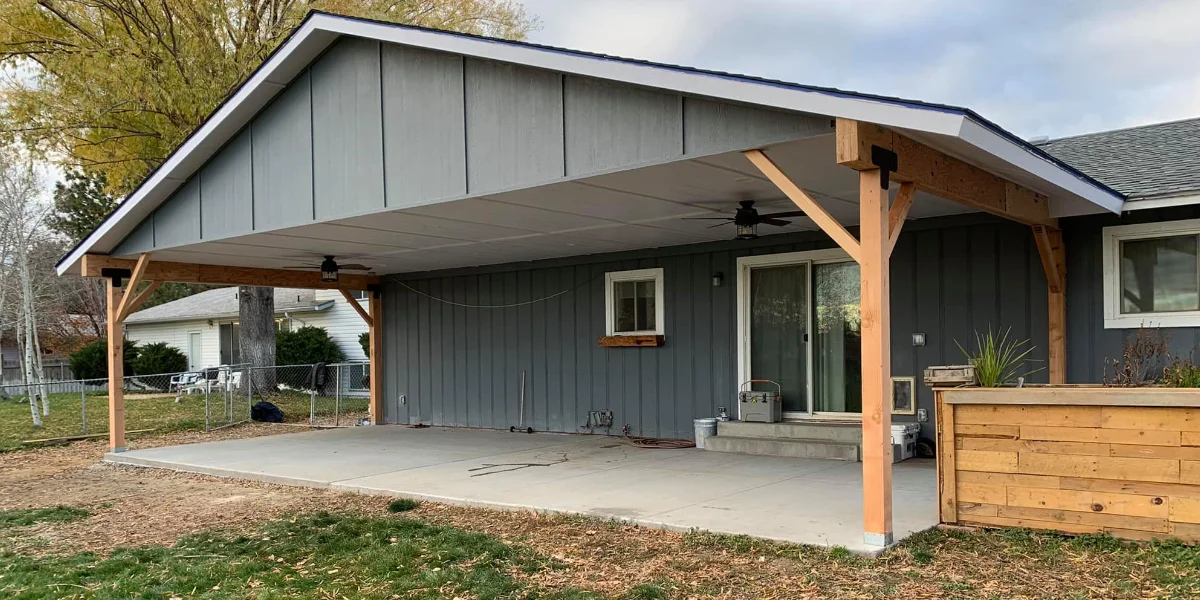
(1035,67)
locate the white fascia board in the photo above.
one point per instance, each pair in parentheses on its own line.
(1161,202)
(1022,158)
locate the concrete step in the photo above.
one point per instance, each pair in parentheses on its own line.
(789,447)
(844,432)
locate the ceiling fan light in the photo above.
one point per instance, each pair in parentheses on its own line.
(747,231)
(329,270)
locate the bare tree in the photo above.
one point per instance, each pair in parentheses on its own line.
(23,212)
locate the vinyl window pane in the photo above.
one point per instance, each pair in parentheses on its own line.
(625,303)
(1160,275)
(645,306)
(635,306)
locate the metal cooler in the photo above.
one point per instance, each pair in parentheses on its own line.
(760,407)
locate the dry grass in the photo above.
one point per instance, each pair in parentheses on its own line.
(130,507)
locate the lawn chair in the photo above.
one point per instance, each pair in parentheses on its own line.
(185,383)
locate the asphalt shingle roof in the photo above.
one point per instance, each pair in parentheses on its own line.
(1152,160)
(221,302)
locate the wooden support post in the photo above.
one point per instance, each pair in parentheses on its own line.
(875,240)
(375,327)
(139,271)
(1053,253)
(899,212)
(116,369)
(357,307)
(819,215)
(140,299)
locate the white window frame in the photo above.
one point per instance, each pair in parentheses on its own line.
(1113,236)
(613,277)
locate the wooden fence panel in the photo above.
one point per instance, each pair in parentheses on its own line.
(1123,461)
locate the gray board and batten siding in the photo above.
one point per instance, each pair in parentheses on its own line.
(1091,347)
(372,126)
(461,366)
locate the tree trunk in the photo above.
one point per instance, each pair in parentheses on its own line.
(33,354)
(256,335)
(26,370)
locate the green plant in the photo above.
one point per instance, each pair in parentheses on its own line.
(159,357)
(400,505)
(32,516)
(306,346)
(91,360)
(364,340)
(1181,374)
(998,359)
(1141,355)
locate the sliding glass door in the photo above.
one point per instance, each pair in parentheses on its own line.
(799,325)
(837,351)
(779,332)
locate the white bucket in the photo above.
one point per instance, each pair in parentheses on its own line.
(705,428)
(904,440)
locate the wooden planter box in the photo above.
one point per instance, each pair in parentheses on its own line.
(1075,459)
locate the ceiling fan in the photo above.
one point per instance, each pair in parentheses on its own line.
(329,268)
(747,219)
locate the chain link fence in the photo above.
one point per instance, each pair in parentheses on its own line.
(323,395)
(315,395)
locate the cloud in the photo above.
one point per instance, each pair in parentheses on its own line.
(1036,67)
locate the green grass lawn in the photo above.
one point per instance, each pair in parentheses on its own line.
(316,556)
(148,411)
(325,555)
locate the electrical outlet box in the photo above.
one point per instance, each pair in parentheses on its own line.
(923,415)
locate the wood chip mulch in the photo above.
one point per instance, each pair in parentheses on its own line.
(131,506)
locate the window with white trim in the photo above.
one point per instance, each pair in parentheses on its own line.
(634,302)
(1152,275)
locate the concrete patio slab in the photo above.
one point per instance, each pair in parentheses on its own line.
(794,500)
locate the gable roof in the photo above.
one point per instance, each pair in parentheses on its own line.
(955,130)
(1162,159)
(223,302)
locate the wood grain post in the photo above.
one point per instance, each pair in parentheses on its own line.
(1053,254)
(375,328)
(874,237)
(947,480)
(116,369)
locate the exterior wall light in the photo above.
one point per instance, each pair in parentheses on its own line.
(718,279)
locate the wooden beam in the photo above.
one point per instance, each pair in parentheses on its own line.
(823,219)
(1046,250)
(899,212)
(1053,254)
(947,471)
(139,272)
(357,307)
(940,174)
(222,275)
(138,300)
(116,370)
(375,329)
(875,311)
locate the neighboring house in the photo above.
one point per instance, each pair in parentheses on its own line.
(204,326)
